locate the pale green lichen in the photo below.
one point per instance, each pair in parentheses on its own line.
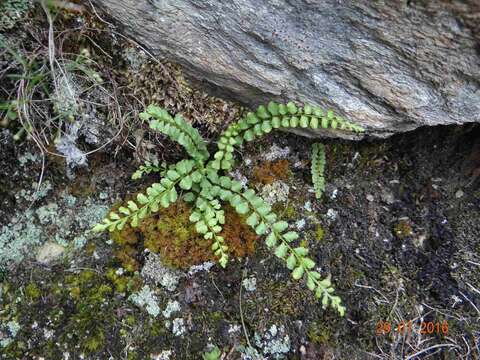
(164,355)
(172,307)
(33,194)
(27,157)
(12,327)
(155,271)
(276,192)
(274,342)
(18,238)
(147,300)
(64,221)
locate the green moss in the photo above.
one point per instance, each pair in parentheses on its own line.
(290,212)
(319,233)
(319,333)
(32,292)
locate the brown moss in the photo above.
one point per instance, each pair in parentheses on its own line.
(171,234)
(269,171)
(239,237)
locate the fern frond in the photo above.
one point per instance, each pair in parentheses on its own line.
(318,169)
(278,237)
(275,116)
(158,194)
(209,218)
(178,130)
(148,168)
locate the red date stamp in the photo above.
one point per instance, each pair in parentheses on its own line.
(403,327)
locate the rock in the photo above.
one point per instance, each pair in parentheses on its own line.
(49,252)
(390,66)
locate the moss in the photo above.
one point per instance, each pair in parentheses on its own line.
(319,233)
(122,283)
(288,213)
(32,291)
(284,299)
(171,234)
(269,171)
(90,248)
(402,229)
(78,309)
(319,333)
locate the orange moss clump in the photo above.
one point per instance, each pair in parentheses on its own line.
(171,234)
(269,171)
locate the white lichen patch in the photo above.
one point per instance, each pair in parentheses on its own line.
(250,283)
(172,307)
(276,152)
(206,266)
(164,355)
(18,238)
(178,327)
(300,224)
(275,192)
(274,342)
(146,299)
(331,214)
(237,175)
(308,206)
(161,275)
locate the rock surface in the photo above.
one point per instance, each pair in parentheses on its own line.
(390,66)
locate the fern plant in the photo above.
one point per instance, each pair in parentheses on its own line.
(318,169)
(203,183)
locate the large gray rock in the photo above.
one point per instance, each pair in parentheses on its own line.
(389,65)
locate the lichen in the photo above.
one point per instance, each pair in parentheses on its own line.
(275,192)
(178,327)
(155,271)
(12,327)
(146,299)
(64,220)
(172,307)
(275,152)
(250,283)
(274,342)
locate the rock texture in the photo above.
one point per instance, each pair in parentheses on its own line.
(391,66)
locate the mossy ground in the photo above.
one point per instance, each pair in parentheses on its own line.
(399,239)
(171,234)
